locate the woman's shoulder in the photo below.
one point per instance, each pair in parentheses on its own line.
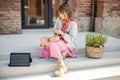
(74,23)
(58,19)
(74,20)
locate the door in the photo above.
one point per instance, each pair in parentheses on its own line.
(55,6)
(38,13)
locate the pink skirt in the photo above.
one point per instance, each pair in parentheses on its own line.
(55,49)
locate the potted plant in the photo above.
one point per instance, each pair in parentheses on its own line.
(94,44)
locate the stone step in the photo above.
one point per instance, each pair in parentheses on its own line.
(40,65)
(29,41)
(110,72)
(107,48)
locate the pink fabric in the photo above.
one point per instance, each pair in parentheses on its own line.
(65,24)
(55,49)
(45,53)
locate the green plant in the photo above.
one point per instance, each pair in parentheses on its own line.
(96,39)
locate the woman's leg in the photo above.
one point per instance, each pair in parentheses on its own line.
(61,62)
(55,52)
(62,69)
(44,42)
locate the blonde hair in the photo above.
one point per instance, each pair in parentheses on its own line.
(64,7)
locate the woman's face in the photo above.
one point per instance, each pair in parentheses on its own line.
(63,16)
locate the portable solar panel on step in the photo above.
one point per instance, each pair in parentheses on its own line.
(20,59)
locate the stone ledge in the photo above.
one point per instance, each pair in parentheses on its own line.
(40,65)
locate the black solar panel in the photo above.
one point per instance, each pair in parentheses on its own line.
(20,59)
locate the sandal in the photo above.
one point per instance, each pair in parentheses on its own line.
(61,71)
(60,65)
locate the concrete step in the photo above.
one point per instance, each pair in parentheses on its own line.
(111,72)
(40,65)
(29,41)
(6,55)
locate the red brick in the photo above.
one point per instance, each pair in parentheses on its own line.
(10,15)
(4,0)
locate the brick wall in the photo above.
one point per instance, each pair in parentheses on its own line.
(111,8)
(108,17)
(84,8)
(105,8)
(111,18)
(10,16)
(100,7)
(82,11)
(35,8)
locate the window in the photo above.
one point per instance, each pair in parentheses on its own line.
(26,4)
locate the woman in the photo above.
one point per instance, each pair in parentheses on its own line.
(66,28)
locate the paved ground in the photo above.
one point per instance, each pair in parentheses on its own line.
(110,78)
(95,73)
(28,41)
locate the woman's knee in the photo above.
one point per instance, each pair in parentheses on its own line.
(43,39)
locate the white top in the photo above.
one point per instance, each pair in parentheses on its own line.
(71,34)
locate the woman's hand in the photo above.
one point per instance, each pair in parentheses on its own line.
(58,31)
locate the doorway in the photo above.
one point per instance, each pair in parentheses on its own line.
(38,14)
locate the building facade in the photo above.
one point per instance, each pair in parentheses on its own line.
(16,15)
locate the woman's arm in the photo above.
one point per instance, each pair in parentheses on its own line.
(58,24)
(72,33)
